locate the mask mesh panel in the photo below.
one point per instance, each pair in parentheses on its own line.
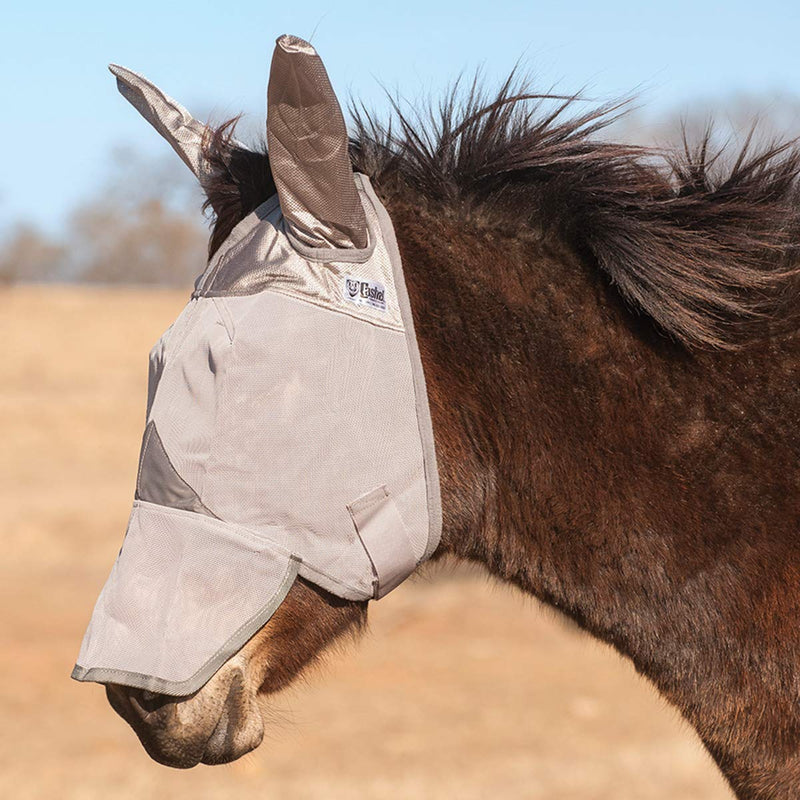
(319,410)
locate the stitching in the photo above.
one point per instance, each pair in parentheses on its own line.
(235,239)
(367,500)
(339,254)
(151,426)
(357,507)
(350,587)
(216,522)
(245,533)
(225,317)
(430,464)
(390,326)
(223,312)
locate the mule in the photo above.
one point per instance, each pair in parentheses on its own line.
(609,337)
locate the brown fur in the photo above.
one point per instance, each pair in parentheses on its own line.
(300,631)
(600,443)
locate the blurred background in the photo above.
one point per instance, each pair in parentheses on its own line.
(463,688)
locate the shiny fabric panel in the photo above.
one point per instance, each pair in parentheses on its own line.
(308,151)
(172,121)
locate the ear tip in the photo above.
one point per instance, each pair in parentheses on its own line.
(294,44)
(120,73)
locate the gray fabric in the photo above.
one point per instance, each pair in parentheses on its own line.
(381,530)
(158,481)
(279,411)
(424,422)
(178,582)
(308,150)
(261,260)
(287,432)
(172,121)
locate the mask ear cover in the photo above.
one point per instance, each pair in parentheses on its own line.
(175,124)
(308,151)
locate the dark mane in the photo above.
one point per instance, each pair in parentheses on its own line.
(708,252)
(239,180)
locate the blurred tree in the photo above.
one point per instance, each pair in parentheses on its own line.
(28,255)
(144,242)
(143,226)
(774,116)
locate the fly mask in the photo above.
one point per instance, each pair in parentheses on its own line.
(287,430)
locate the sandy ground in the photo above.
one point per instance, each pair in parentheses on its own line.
(463,688)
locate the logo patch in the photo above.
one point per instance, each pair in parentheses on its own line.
(364,293)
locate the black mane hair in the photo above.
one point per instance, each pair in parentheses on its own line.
(709,252)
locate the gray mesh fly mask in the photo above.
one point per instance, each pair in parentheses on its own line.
(288,429)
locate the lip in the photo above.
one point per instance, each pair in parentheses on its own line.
(178,762)
(232,735)
(182,757)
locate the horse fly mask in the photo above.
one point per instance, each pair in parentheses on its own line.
(287,429)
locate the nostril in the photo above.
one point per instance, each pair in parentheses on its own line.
(236,731)
(145,702)
(234,705)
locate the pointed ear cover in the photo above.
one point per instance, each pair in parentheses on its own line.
(167,116)
(308,151)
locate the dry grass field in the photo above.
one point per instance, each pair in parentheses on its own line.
(463,689)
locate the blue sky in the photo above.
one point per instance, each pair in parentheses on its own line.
(62,116)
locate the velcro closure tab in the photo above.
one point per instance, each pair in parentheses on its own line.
(384,537)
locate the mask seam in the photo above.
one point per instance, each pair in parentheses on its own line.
(419,384)
(352,255)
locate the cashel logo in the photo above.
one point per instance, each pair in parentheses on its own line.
(364,293)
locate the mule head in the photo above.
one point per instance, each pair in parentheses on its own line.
(202,513)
